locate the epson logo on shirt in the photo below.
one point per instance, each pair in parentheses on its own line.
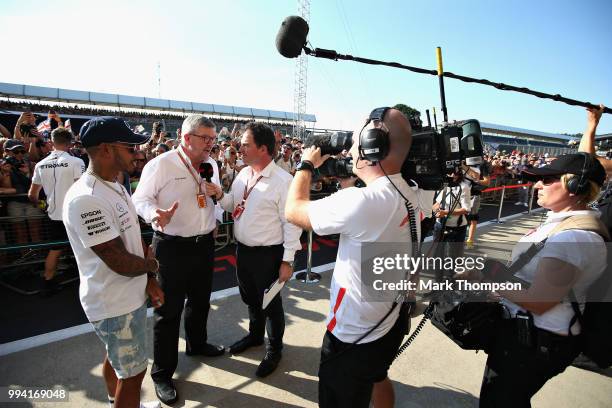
(91,214)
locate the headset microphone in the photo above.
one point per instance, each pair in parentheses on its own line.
(291,37)
(206,172)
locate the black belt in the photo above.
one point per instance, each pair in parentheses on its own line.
(261,247)
(176,238)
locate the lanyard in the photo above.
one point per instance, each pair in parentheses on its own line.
(247,193)
(198,183)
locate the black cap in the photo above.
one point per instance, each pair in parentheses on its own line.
(108,129)
(13,144)
(570,164)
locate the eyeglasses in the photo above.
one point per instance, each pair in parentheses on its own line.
(19,151)
(548,180)
(205,138)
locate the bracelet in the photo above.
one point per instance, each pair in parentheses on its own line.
(222,195)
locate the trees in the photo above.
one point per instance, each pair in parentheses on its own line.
(407,110)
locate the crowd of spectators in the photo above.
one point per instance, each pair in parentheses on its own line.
(22,147)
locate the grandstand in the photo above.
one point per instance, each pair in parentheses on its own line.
(500,137)
(79,106)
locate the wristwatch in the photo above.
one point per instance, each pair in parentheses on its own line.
(306,165)
(289,263)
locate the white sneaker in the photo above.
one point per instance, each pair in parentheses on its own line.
(150,404)
(518,203)
(525,204)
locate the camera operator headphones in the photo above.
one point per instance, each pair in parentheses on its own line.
(374,143)
(580,184)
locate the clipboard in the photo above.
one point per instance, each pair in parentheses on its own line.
(271,292)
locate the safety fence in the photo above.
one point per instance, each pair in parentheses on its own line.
(25,240)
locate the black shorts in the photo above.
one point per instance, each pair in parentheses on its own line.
(347,380)
(57,233)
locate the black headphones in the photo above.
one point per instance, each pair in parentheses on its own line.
(374,143)
(580,185)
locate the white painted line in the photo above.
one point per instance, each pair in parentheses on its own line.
(46,338)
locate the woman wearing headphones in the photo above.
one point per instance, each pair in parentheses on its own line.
(540,337)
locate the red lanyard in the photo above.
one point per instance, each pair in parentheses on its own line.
(246,193)
(199,184)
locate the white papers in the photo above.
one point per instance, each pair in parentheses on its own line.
(271,292)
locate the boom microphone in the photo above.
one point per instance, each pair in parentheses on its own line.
(206,172)
(291,37)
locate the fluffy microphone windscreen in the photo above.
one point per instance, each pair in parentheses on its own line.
(291,36)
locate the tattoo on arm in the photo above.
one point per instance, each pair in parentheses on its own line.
(118,259)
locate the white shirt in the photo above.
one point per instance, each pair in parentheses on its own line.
(288,166)
(585,250)
(463,192)
(166,179)
(93,213)
(362,215)
(56,173)
(263,221)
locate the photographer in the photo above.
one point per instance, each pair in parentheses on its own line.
(348,372)
(450,227)
(541,338)
(19,208)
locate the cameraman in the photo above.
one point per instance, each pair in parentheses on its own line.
(348,372)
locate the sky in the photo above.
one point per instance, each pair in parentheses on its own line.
(223,52)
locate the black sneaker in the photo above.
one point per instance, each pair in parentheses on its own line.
(268,364)
(166,392)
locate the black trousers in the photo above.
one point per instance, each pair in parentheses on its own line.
(256,269)
(347,373)
(185,271)
(515,373)
(451,245)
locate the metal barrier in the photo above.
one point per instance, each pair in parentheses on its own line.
(503,189)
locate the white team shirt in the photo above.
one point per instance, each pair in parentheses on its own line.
(585,250)
(56,173)
(263,221)
(94,214)
(360,215)
(166,179)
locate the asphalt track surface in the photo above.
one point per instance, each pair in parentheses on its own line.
(23,316)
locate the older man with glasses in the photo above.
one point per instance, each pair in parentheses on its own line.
(172,196)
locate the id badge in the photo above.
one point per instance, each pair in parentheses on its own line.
(238,211)
(201,200)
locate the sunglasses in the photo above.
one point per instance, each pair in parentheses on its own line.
(548,180)
(130,149)
(19,151)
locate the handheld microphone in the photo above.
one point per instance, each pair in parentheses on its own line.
(206,172)
(291,37)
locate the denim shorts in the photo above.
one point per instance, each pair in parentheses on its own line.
(125,339)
